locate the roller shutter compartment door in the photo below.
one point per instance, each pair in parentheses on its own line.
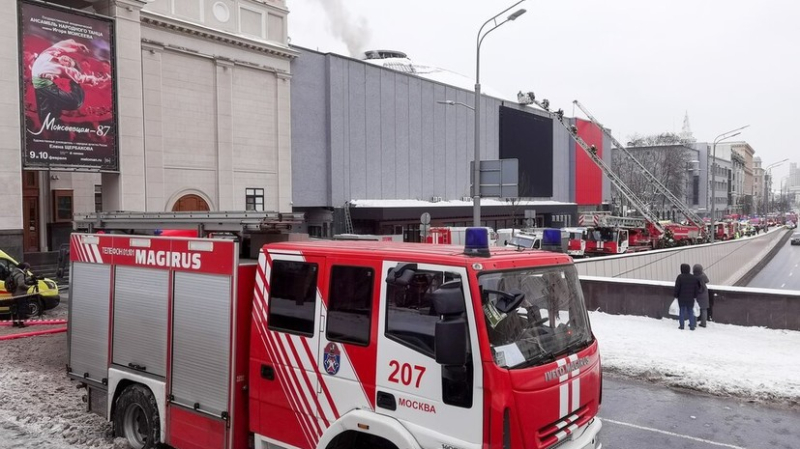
(201,341)
(141,301)
(88,317)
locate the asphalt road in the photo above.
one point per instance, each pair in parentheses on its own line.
(639,415)
(782,272)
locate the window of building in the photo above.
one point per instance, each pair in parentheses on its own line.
(62,206)
(293,294)
(254,199)
(98,198)
(410,317)
(350,305)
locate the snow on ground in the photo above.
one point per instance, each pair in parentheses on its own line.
(41,408)
(722,359)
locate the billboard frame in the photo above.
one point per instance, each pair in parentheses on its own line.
(112,39)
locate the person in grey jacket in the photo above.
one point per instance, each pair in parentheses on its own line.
(686,288)
(19,311)
(702,296)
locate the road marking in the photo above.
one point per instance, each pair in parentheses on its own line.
(673,434)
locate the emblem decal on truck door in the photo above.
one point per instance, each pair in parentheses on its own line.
(332,359)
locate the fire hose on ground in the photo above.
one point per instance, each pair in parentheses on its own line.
(37,333)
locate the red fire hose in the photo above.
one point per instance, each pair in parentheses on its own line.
(33,334)
(37,322)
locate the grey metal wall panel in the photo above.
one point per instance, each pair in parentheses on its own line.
(339,152)
(357,130)
(402,162)
(415,114)
(429,111)
(387,129)
(439,141)
(140,318)
(88,316)
(201,341)
(373,134)
(563,162)
(311,155)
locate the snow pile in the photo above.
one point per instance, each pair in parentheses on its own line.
(722,359)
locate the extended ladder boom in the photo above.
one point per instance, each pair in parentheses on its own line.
(591,151)
(690,215)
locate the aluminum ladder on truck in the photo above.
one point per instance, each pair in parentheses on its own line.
(236,222)
(591,151)
(660,187)
(621,222)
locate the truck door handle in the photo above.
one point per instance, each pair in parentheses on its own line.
(386,400)
(267,372)
(137,367)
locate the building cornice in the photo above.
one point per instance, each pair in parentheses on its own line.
(191,29)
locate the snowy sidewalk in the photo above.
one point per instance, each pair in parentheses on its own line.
(722,359)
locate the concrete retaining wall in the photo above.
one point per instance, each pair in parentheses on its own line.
(724,262)
(775,309)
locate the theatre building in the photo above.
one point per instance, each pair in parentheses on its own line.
(140,105)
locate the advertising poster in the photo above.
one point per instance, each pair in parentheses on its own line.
(68,89)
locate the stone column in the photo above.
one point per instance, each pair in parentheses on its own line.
(127,190)
(10,137)
(153,126)
(224,82)
(284,141)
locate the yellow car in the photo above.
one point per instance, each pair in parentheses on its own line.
(45,299)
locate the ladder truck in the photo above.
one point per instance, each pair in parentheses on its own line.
(610,242)
(690,215)
(197,343)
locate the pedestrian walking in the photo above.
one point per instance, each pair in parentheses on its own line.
(17,284)
(703,294)
(686,288)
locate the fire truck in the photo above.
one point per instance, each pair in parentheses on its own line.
(190,342)
(577,241)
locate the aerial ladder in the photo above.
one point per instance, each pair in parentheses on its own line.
(591,151)
(660,187)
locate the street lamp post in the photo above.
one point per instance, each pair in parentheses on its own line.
(476,170)
(713,165)
(768,172)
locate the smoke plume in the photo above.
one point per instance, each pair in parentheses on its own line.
(353,31)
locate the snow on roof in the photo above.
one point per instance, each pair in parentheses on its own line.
(485,202)
(722,359)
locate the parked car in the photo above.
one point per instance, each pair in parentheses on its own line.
(47,296)
(796,238)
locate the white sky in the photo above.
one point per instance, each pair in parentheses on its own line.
(637,65)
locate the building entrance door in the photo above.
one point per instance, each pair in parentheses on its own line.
(190,203)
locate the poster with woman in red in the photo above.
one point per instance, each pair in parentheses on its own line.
(68,89)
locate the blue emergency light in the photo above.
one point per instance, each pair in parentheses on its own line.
(476,242)
(551,237)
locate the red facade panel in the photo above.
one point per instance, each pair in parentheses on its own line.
(588,177)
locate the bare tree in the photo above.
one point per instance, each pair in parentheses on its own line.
(665,157)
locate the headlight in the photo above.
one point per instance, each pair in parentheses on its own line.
(50,284)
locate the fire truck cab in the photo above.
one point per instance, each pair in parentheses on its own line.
(325,344)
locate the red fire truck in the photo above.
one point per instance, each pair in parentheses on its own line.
(330,344)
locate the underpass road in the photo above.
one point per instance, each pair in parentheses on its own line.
(782,272)
(638,414)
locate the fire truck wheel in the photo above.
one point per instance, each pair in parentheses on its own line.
(357,440)
(136,417)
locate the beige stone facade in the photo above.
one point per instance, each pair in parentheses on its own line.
(203,102)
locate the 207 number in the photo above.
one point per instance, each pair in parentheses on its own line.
(404,373)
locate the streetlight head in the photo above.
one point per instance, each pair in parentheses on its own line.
(447,102)
(517,13)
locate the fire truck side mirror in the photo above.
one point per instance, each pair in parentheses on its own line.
(450,342)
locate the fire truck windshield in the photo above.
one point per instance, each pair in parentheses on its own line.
(602,235)
(534,316)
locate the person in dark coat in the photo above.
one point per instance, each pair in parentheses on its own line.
(19,311)
(702,296)
(687,287)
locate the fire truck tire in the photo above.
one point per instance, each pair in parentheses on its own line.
(136,417)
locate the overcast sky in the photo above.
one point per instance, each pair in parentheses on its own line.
(638,66)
